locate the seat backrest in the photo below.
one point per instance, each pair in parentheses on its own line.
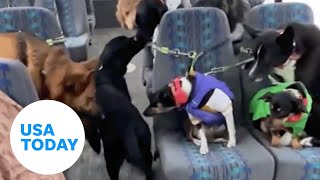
(4,3)
(35,20)
(276,15)
(254,3)
(16,83)
(72,15)
(21,3)
(198,29)
(15,3)
(49,4)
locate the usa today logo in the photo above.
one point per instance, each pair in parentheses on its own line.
(47,137)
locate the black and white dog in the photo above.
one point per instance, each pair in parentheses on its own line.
(289,56)
(208,103)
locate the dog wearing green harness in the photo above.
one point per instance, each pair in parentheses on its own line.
(283,107)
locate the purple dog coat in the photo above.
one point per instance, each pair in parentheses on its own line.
(203,84)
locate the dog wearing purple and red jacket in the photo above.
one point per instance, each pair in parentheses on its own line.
(208,102)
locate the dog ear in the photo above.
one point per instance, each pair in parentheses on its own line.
(286,39)
(55,68)
(251,31)
(54,82)
(267,97)
(299,106)
(77,82)
(90,64)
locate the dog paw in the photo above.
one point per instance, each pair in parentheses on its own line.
(231,144)
(204,149)
(306,142)
(295,144)
(276,141)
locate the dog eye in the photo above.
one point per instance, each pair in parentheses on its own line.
(275,107)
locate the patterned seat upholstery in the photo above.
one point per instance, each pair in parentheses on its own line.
(291,164)
(16,83)
(203,29)
(15,3)
(72,17)
(278,14)
(35,20)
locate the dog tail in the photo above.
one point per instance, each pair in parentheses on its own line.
(310,141)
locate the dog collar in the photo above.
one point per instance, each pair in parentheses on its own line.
(180,96)
(293,57)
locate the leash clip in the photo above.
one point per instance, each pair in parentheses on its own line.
(247,51)
(177,52)
(192,54)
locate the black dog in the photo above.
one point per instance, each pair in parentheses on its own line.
(271,50)
(124,132)
(148,16)
(234,9)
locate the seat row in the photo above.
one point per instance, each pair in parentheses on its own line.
(253,158)
(73,19)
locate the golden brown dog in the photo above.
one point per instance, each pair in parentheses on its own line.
(54,75)
(126,13)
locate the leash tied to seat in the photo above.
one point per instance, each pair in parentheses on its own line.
(194,56)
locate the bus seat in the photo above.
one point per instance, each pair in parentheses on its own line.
(276,15)
(37,21)
(16,82)
(291,164)
(91,15)
(72,16)
(15,3)
(200,29)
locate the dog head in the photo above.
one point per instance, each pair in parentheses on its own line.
(144,15)
(171,96)
(270,49)
(69,82)
(285,106)
(126,13)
